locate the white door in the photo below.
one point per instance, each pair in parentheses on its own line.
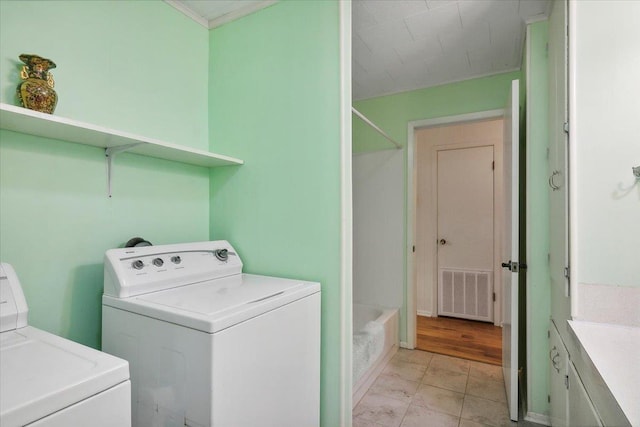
(510,260)
(465,232)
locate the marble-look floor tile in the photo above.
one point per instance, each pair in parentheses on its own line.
(385,411)
(485,411)
(439,400)
(468,423)
(450,363)
(485,371)
(413,356)
(487,389)
(451,380)
(361,422)
(396,387)
(418,416)
(405,370)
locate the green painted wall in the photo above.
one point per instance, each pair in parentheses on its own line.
(538,275)
(275,102)
(119,66)
(393,113)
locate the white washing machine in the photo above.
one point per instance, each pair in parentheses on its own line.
(208,345)
(48,381)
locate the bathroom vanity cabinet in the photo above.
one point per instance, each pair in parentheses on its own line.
(559,367)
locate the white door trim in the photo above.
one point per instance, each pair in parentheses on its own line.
(411,205)
(346,238)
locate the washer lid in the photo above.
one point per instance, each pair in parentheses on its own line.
(217,304)
(43,373)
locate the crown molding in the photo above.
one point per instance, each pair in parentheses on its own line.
(221,20)
(188,12)
(240,13)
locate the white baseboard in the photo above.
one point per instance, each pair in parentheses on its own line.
(538,418)
(404,344)
(424,313)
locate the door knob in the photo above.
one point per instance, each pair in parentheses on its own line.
(513,266)
(443,242)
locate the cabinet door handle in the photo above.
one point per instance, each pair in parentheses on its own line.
(552,183)
(553,358)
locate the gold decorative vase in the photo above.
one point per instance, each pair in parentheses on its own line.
(36,91)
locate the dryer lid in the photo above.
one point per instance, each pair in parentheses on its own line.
(217,304)
(13,306)
(43,373)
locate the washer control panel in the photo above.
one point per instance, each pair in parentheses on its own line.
(133,271)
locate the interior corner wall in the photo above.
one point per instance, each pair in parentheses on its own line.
(274,102)
(537,226)
(393,113)
(378,271)
(117,67)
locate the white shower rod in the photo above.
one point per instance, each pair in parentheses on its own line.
(376,128)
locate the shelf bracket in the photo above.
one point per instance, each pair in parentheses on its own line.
(110,154)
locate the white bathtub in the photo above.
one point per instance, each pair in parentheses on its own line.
(375,341)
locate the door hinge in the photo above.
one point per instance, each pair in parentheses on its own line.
(548,333)
(494,297)
(548,398)
(493,165)
(567,273)
(413,248)
(565,127)
(566,381)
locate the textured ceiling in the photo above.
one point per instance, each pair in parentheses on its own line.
(401,45)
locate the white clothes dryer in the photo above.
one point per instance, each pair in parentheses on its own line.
(209,345)
(49,381)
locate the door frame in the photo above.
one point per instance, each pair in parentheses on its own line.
(411,290)
(433,221)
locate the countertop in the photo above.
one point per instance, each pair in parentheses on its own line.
(614,351)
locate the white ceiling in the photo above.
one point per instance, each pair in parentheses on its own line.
(401,45)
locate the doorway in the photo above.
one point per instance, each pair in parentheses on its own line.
(479,136)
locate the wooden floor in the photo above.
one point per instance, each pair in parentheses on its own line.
(467,339)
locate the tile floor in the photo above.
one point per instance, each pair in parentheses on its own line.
(418,388)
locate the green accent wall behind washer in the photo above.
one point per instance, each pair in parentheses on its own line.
(140,67)
(275,102)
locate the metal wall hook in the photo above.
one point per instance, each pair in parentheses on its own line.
(636,172)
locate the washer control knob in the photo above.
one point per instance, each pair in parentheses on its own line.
(137,264)
(158,262)
(176,259)
(221,254)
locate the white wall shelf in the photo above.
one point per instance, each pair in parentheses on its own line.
(31,122)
